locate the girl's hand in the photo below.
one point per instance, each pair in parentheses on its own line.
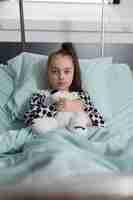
(69,105)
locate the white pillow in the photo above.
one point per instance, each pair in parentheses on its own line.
(110,86)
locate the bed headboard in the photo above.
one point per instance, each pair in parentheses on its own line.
(121,53)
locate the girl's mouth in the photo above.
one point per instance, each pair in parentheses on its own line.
(61,83)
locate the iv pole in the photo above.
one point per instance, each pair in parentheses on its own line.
(102,48)
(102,31)
(22,26)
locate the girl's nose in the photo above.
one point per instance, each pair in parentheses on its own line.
(61,76)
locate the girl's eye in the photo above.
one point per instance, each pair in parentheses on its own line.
(67,72)
(54,71)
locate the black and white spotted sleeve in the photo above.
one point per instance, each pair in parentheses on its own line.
(94,115)
(38,108)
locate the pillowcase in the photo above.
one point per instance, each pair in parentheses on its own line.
(6,85)
(6,89)
(110,87)
(29,74)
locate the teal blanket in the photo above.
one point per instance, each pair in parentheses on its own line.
(60,153)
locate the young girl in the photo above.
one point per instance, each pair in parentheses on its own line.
(63,73)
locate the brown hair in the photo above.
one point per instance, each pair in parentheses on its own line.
(67,49)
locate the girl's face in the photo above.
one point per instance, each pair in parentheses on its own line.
(61,72)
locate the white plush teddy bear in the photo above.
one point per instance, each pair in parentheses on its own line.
(69,120)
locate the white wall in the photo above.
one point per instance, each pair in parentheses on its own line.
(67,22)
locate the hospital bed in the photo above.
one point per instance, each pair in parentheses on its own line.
(60,166)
